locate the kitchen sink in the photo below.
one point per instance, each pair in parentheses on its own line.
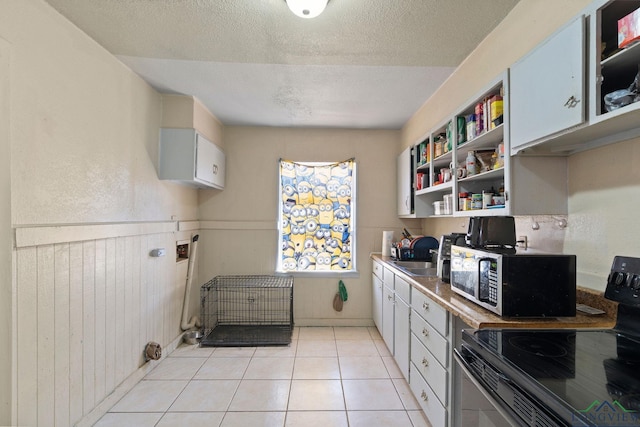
(412,264)
(416,268)
(421,271)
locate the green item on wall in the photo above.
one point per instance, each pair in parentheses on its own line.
(343,291)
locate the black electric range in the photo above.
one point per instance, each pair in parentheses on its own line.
(566,377)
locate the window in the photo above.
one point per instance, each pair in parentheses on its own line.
(317,217)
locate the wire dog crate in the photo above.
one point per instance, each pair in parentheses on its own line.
(247,311)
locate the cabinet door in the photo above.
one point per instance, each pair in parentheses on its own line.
(433,372)
(405,190)
(427,399)
(377,302)
(377,269)
(388,302)
(547,87)
(209,162)
(402,332)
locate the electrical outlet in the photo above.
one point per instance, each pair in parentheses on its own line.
(523,242)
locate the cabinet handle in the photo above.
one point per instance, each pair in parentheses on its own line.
(425,306)
(571,102)
(215,169)
(424,396)
(389,297)
(425,332)
(425,362)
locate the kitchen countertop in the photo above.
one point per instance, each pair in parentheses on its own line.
(479,317)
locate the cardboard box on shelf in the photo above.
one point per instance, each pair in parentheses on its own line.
(629,29)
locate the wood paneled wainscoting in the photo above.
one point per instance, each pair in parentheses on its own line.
(87,299)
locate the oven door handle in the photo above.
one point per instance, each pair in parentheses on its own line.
(494,402)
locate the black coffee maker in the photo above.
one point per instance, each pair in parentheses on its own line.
(492,233)
(443,266)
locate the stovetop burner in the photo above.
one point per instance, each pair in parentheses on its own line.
(538,346)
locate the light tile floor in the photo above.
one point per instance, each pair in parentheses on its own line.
(327,377)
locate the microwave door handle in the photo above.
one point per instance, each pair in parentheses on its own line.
(499,406)
(482,291)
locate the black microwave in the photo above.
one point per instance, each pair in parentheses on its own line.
(515,285)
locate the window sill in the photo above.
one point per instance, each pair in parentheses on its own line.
(320,274)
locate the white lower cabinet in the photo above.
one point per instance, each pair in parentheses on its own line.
(433,409)
(430,368)
(437,343)
(388,313)
(402,326)
(376,295)
(394,311)
(377,302)
(418,333)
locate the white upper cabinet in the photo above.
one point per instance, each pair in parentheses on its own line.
(547,87)
(409,206)
(612,68)
(189,158)
(405,186)
(605,68)
(479,130)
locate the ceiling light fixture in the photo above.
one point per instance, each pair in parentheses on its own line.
(307,8)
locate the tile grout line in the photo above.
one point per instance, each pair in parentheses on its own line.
(296,356)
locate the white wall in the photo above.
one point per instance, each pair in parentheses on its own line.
(239,234)
(604,185)
(78,153)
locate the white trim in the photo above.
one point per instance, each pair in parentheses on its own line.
(238,225)
(52,234)
(188,225)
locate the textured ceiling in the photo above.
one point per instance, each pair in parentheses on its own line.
(361,64)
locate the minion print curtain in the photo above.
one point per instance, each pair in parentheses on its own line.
(317,216)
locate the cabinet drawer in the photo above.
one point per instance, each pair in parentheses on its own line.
(433,409)
(378,270)
(433,372)
(430,311)
(403,289)
(388,278)
(431,339)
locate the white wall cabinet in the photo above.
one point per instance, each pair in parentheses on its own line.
(405,186)
(518,177)
(610,69)
(547,92)
(408,205)
(606,68)
(189,158)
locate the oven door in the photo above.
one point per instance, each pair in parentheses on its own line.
(475,405)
